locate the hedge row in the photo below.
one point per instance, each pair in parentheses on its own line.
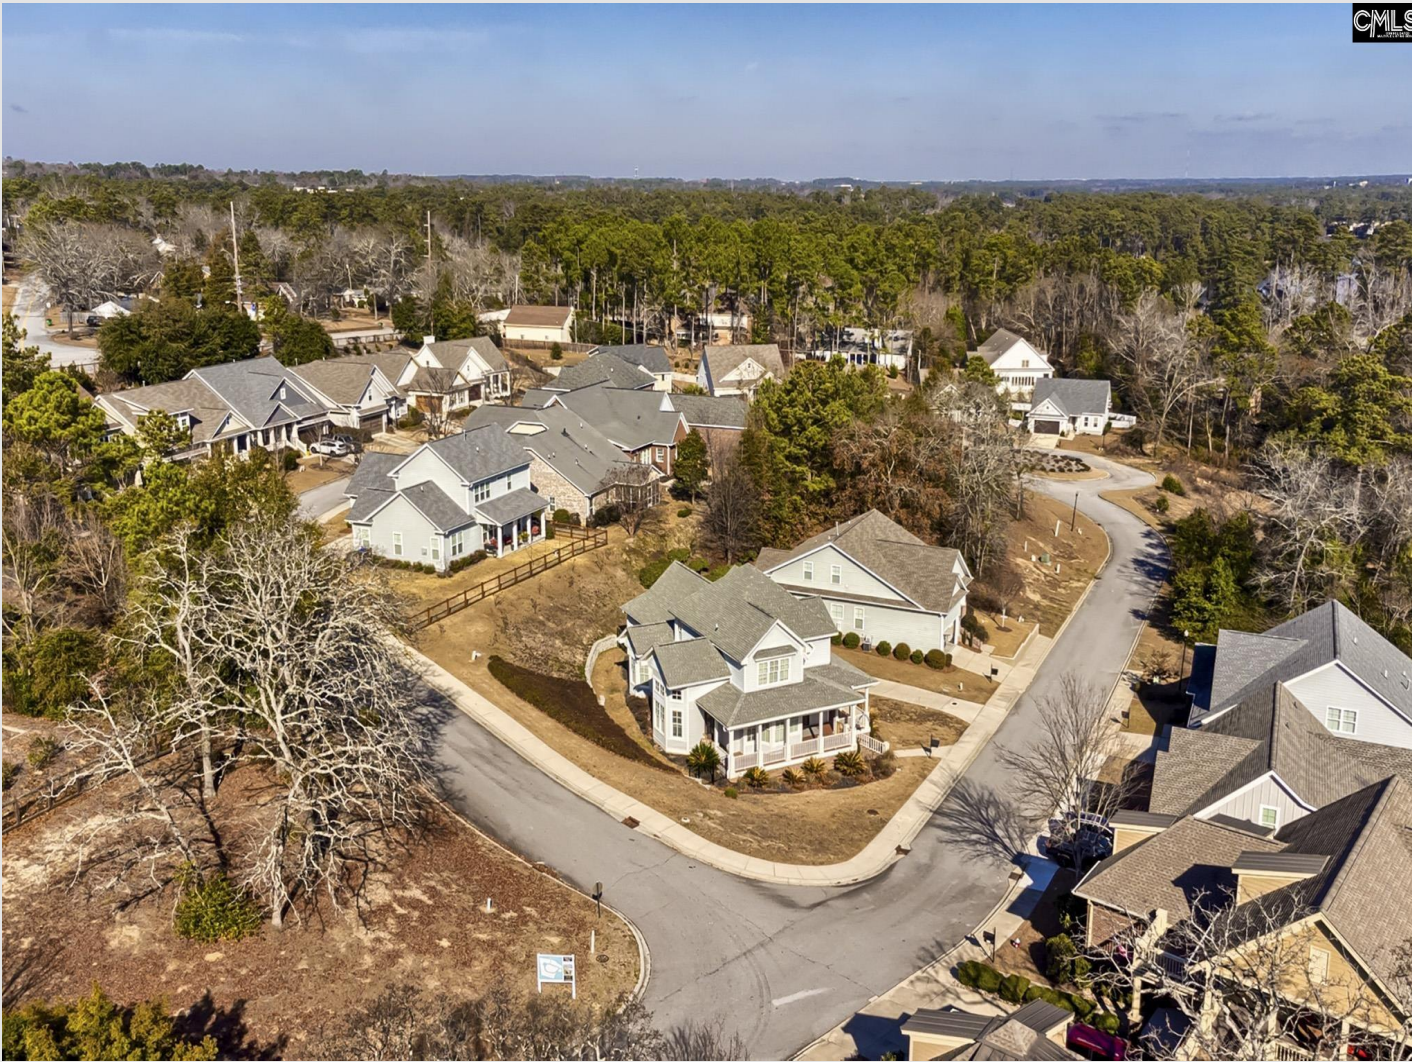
(575,705)
(1017,989)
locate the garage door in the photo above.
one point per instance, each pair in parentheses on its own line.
(1046,427)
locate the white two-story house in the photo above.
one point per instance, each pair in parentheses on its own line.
(878,580)
(1017,364)
(446,500)
(743,665)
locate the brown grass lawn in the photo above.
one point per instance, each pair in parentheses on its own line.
(912,726)
(954,682)
(1028,958)
(309,475)
(422,920)
(1006,641)
(1049,597)
(422,590)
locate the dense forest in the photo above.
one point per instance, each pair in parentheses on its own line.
(1266,330)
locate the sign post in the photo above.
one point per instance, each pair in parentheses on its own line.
(556,970)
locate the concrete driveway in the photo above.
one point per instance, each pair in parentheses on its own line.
(782,965)
(29,311)
(320,500)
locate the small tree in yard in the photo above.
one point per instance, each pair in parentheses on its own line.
(634,491)
(732,520)
(1060,771)
(703,759)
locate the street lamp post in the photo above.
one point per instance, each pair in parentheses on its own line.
(1181,671)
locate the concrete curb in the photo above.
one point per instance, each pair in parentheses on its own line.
(340,507)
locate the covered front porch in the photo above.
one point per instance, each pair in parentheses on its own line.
(512,521)
(782,742)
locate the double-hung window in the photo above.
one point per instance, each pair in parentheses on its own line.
(481,491)
(836,613)
(659,453)
(772,672)
(857,617)
(436,547)
(1318,966)
(836,574)
(676,722)
(808,571)
(457,543)
(1341,720)
(397,543)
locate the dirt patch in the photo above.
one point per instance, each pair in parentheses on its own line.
(310,475)
(1005,640)
(913,726)
(1074,546)
(423,922)
(1023,953)
(954,681)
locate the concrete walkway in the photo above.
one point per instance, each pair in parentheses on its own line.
(876,856)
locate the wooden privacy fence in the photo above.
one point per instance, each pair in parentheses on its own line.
(581,540)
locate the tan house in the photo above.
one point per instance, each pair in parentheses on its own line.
(739,370)
(1036,1031)
(538,324)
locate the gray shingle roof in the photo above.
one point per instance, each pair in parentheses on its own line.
(206,409)
(434,381)
(569,445)
(1247,663)
(432,502)
(342,380)
(1073,398)
(691,662)
(737,610)
(601,369)
(711,411)
(370,487)
(891,552)
(998,344)
(252,387)
(644,637)
(631,419)
(1268,731)
(480,453)
(1300,863)
(653,605)
(732,707)
(1021,1035)
(652,358)
(512,506)
(539,316)
(722,361)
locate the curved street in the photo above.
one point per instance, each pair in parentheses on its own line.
(782,965)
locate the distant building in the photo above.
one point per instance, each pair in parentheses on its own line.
(538,324)
(739,370)
(1070,407)
(891,349)
(1017,364)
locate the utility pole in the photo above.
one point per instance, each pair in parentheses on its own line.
(1074,519)
(428,235)
(235,253)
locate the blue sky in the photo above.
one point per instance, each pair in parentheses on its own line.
(882,92)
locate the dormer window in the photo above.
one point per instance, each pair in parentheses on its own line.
(183,420)
(772,672)
(283,392)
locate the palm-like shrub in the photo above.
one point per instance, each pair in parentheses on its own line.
(792,778)
(814,767)
(703,759)
(850,763)
(756,777)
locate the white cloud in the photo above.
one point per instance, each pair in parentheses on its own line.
(175,35)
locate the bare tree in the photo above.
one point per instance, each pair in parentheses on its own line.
(732,519)
(1067,766)
(1161,365)
(65,258)
(636,490)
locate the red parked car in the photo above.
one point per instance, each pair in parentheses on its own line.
(1089,1042)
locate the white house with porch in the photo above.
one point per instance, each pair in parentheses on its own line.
(743,665)
(448,499)
(1070,407)
(878,580)
(1017,365)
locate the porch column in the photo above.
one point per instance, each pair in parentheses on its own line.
(819,734)
(759,745)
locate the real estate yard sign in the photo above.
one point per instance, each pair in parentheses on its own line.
(556,970)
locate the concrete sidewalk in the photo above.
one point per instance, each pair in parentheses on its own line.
(876,1030)
(875,857)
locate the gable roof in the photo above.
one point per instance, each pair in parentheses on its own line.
(632,419)
(722,361)
(573,448)
(1268,731)
(434,380)
(601,369)
(371,487)
(539,316)
(339,380)
(434,503)
(690,662)
(452,353)
(644,355)
(711,411)
(206,409)
(1247,663)
(1023,1034)
(999,343)
(1073,398)
(476,454)
(738,609)
(653,605)
(251,389)
(884,547)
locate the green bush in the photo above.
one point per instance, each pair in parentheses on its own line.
(548,530)
(1060,953)
(836,639)
(814,767)
(556,352)
(851,640)
(289,460)
(732,792)
(1161,504)
(1106,1022)
(411,419)
(916,656)
(213,908)
(978,975)
(95,1027)
(901,651)
(850,763)
(42,752)
(561,516)
(972,625)
(935,659)
(703,759)
(718,571)
(684,512)
(1013,988)
(53,671)
(884,648)
(8,772)
(609,514)
(462,563)
(1172,485)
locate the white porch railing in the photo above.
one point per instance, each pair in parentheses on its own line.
(775,754)
(871,744)
(837,741)
(1288,1052)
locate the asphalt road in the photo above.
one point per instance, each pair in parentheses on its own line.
(322,499)
(29,311)
(781,966)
